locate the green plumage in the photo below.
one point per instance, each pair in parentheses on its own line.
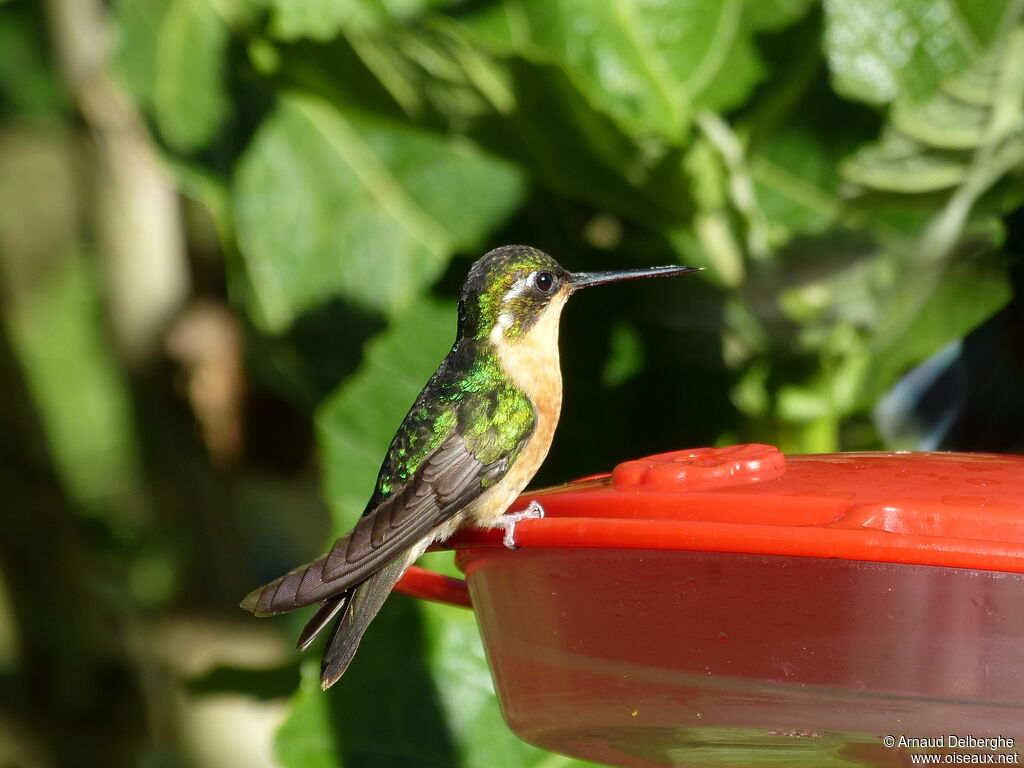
(469,393)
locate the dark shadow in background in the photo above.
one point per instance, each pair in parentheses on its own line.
(385,711)
(74,692)
(970,395)
(322,348)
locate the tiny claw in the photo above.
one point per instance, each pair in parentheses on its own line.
(533,511)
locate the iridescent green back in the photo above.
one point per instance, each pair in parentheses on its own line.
(470,393)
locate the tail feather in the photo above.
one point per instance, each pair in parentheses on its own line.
(328,609)
(351,606)
(364,601)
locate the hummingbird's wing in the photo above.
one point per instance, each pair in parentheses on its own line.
(465,430)
(446,481)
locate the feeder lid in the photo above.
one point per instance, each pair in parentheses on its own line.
(951,509)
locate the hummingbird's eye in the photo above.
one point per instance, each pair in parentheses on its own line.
(544,281)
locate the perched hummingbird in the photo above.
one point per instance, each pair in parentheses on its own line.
(471,442)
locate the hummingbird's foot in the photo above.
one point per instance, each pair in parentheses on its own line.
(533,511)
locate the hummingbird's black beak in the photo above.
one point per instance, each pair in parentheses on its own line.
(579,280)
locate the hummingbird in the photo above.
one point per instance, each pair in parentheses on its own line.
(474,437)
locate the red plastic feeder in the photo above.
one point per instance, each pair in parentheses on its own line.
(734,607)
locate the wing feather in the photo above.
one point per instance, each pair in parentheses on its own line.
(447,480)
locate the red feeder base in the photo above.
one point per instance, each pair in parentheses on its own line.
(733,608)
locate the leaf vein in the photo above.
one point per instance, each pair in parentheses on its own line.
(725,32)
(375,176)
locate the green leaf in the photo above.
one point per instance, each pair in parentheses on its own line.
(83,401)
(331,203)
(972,291)
(136,57)
(189,100)
(968,133)
(579,152)
(649,64)
(750,394)
(324,19)
(773,15)
(712,227)
(625,356)
(800,404)
(796,184)
(28,80)
(879,50)
(171,55)
(942,122)
(897,163)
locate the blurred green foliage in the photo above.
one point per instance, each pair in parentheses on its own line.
(839,167)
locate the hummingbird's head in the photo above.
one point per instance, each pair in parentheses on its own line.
(512,288)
